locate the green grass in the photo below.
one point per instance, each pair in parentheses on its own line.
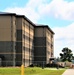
(31,71)
(10,71)
(40,71)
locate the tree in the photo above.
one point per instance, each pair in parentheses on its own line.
(66,55)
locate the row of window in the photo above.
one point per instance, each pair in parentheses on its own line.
(49,44)
(28,38)
(48,52)
(49,34)
(27,24)
(29,27)
(28,49)
(28,60)
(28,34)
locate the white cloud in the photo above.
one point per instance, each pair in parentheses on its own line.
(64,37)
(35,4)
(30,9)
(59,9)
(40,8)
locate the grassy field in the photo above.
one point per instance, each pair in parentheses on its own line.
(10,71)
(46,71)
(31,71)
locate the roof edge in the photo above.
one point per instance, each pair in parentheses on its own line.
(45,26)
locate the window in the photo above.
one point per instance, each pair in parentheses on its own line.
(48,52)
(48,43)
(26,60)
(26,49)
(51,46)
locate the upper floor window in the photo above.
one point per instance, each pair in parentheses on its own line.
(48,43)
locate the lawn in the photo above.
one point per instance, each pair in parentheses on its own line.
(46,71)
(10,71)
(31,71)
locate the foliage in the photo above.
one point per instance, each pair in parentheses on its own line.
(66,55)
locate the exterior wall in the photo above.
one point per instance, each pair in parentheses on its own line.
(18,41)
(31,46)
(29,37)
(43,45)
(40,46)
(7,40)
(27,49)
(25,36)
(49,44)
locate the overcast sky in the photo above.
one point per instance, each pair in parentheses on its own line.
(58,14)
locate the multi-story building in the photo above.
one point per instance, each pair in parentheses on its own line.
(23,42)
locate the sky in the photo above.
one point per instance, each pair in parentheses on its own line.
(58,14)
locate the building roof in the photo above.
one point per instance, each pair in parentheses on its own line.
(6,13)
(40,25)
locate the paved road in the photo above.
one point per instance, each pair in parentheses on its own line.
(69,72)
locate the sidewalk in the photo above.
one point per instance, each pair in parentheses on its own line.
(69,72)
